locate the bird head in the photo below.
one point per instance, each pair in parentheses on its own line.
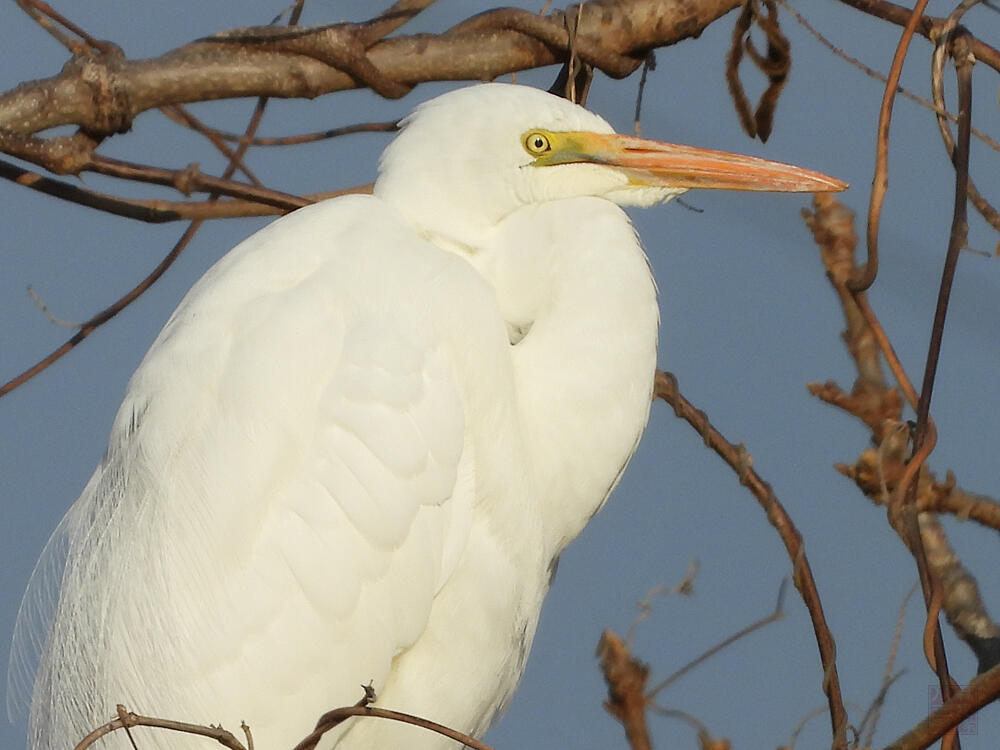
(466,160)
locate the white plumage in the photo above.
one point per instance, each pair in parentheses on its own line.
(357,448)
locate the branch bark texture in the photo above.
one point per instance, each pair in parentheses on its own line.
(103,92)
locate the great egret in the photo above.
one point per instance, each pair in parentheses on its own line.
(359,445)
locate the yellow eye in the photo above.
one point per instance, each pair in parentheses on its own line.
(536,143)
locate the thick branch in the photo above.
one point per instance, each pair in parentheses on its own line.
(981,691)
(103,93)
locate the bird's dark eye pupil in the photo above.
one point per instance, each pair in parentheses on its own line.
(536,143)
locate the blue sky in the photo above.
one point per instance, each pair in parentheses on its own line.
(748,319)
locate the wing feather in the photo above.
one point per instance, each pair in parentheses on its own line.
(287,486)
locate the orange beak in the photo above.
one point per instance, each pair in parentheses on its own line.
(668,165)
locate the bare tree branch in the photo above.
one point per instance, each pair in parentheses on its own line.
(882,472)
(626,679)
(928,27)
(737,457)
(980,691)
(102,93)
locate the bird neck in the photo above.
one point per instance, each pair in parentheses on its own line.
(575,289)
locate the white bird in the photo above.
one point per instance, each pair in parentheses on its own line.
(359,445)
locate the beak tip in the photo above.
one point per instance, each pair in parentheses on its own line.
(829,184)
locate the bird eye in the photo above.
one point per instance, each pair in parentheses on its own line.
(536,143)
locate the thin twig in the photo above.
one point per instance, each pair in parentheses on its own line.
(390,126)
(869,723)
(126,720)
(41,12)
(40,303)
(672,713)
(648,65)
(684,587)
(777,614)
(103,316)
(818,711)
(158,211)
(191,179)
(112,310)
(880,183)
(938,109)
(331,719)
(180,114)
(959,230)
(666,388)
(924,432)
(927,27)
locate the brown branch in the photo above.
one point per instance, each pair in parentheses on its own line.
(341,46)
(155,211)
(68,154)
(648,65)
(980,691)
(736,456)
(579,29)
(191,179)
(836,243)
(76,154)
(938,109)
(879,474)
(102,94)
(44,14)
(103,316)
(333,718)
(626,676)
(131,209)
(112,310)
(959,230)
(869,722)
(878,471)
(684,587)
(945,497)
(705,739)
(928,26)
(182,116)
(777,614)
(293,140)
(392,18)
(126,720)
(794,737)
(986,210)
(960,598)
(924,433)
(883,472)
(945,44)
(626,679)
(865,276)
